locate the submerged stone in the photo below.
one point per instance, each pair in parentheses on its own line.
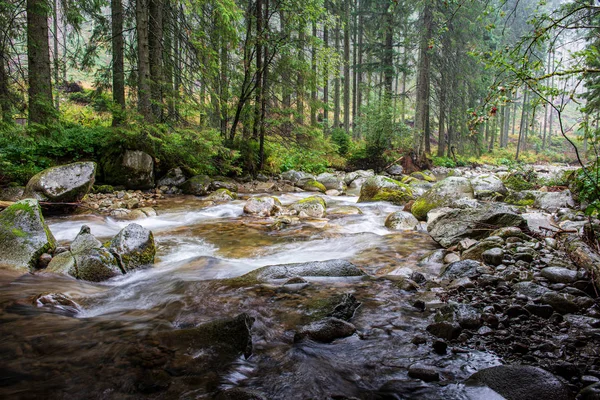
(326,330)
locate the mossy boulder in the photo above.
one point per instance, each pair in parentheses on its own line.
(380,188)
(424,176)
(442,194)
(332,182)
(174,177)
(262,206)
(87,260)
(197,185)
(401,221)
(525,198)
(474,223)
(222,195)
(310,207)
(133,247)
(103,189)
(62,184)
(311,185)
(488,186)
(519,181)
(133,169)
(221,182)
(24,236)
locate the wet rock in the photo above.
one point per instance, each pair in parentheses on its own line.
(62,184)
(133,169)
(441,195)
(262,206)
(197,185)
(440,346)
(520,382)
(459,269)
(552,201)
(541,310)
(530,289)
(510,232)
(310,207)
(591,392)
(312,185)
(240,394)
(228,336)
(476,252)
(44,260)
(332,182)
(419,339)
(395,170)
(451,228)
(326,330)
(174,177)
(221,182)
(444,330)
(468,317)
(451,257)
(380,188)
(400,221)
(133,247)
(426,373)
(358,175)
(488,186)
(57,302)
(346,308)
(330,268)
(562,303)
(24,236)
(493,256)
(559,275)
(94,265)
(294,176)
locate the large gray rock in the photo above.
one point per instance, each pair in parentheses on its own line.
(488,186)
(460,269)
(295,176)
(133,247)
(326,330)
(24,236)
(87,260)
(442,194)
(310,207)
(380,188)
(63,184)
(401,221)
(521,382)
(352,176)
(198,185)
(330,268)
(262,206)
(174,177)
(331,181)
(134,169)
(475,223)
(552,201)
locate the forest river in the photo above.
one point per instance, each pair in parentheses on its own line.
(102,346)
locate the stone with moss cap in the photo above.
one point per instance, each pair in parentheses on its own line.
(221,195)
(312,185)
(62,184)
(424,176)
(197,185)
(442,194)
(24,236)
(380,188)
(310,207)
(133,247)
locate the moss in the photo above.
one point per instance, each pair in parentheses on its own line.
(424,176)
(313,184)
(409,179)
(103,189)
(517,182)
(421,207)
(397,197)
(523,199)
(312,199)
(385,189)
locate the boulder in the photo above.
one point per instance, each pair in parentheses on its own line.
(441,195)
(552,201)
(295,176)
(63,184)
(426,373)
(330,268)
(488,186)
(134,169)
(310,207)
(332,182)
(326,330)
(426,176)
(24,236)
(401,221)
(133,247)
(13,193)
(380,188)
(197,185)
(450,228)
(521,382)
(174,177)
(311,185)
(460,269)
(221,182)
(87,260)
(262,206)
(559,275)
(493,256)
(352,176)
(221,195)
(476,252)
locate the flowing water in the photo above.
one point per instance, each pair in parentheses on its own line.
(103,348)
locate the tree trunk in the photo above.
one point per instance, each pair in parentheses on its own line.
(118,69)
(336,88)
(55,55)
(155,43)
(423,86)
(523,126)
(300,89)
(224,86)
(263,109)
(354,69)
(326,79)
(5,100)
(388,55)
(313,88)
(347,66)
(41,107)
(442,119)
(259,70)
(143,50)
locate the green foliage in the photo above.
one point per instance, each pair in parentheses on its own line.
(443,162)
(342,141)
(586,186)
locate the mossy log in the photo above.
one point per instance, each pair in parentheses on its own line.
(584,256)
